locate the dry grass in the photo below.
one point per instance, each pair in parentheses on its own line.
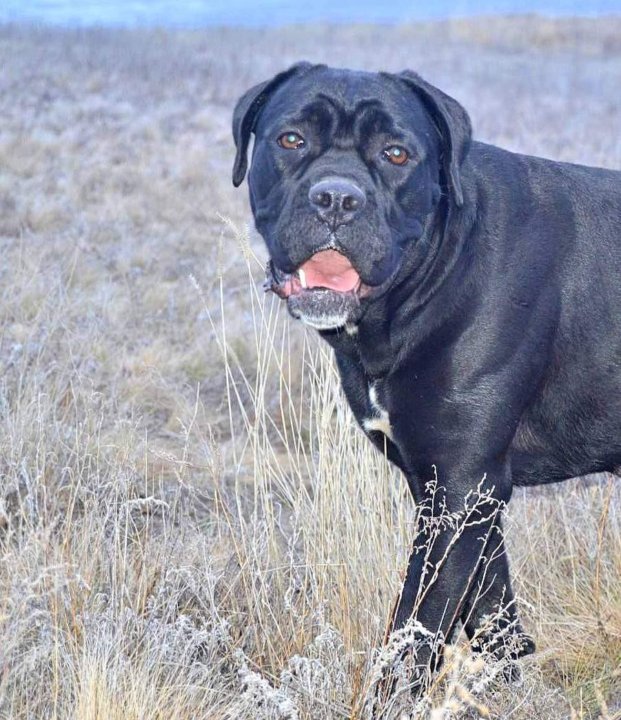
(191,525)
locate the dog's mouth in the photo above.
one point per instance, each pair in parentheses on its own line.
(326,270)
(324,292)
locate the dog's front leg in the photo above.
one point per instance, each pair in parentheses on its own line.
(489,615)
(457,533)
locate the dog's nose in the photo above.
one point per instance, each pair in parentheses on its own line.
(336,200)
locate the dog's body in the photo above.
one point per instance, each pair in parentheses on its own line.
(470,295)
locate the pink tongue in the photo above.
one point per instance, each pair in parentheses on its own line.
(330,269)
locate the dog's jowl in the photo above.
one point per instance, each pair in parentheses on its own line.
(471,296)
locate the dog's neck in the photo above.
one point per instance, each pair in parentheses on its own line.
(429,272)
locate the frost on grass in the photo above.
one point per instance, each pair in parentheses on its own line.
(314,685)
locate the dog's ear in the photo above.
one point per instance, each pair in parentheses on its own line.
(246,113)
(454,126)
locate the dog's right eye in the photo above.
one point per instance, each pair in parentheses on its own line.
(396,154)
(291,141)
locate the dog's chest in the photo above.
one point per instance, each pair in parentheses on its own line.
(377,419)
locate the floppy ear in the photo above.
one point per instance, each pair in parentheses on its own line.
(246,113)
(454,126)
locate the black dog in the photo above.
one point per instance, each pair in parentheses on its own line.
(471,296)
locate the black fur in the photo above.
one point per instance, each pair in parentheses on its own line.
(491,333)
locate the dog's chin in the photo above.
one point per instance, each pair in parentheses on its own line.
(324,309)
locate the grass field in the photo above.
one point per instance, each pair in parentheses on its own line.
(191,527)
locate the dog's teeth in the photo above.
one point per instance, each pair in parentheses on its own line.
(302,276)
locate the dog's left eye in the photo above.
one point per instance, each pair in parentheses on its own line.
(291,141)
(396,154)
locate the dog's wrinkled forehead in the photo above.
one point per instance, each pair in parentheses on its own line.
(340,102)
(348,103)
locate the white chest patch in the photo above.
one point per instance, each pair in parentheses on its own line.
(380,420)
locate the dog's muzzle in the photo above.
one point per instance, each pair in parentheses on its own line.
(324,291)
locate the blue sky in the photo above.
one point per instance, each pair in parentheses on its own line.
(275,12)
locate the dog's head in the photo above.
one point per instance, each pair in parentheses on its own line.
(346,169)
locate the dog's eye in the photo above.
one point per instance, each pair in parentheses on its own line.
(396,154)
(291,141)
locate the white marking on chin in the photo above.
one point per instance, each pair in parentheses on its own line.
(351,329)
(324,322)
(380,420)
